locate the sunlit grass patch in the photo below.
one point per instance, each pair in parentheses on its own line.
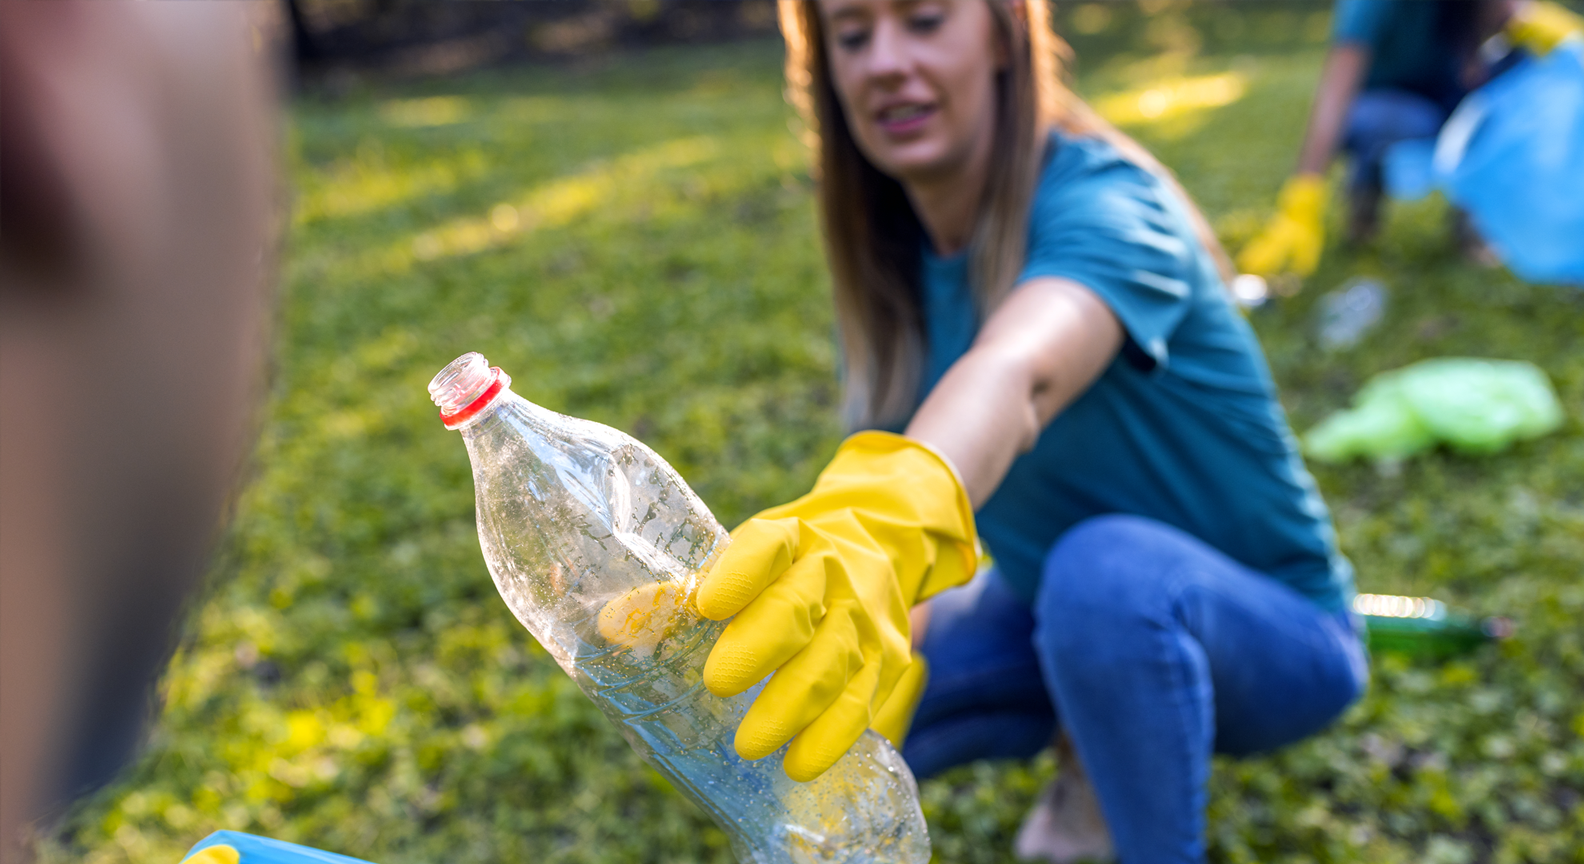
(425,111)
(1172,97)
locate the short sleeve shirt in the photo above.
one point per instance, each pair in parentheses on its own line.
(1182,427)
(1410,43)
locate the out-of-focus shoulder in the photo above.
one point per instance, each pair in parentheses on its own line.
(1087,176)
(1068,157)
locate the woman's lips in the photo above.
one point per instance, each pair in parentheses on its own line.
(904,120)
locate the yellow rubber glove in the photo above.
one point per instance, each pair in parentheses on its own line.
(821,589)
(895,717)
(1295,235)
(1540,27)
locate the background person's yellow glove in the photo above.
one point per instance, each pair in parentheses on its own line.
(821,589)
(1293,238)
(214,855)
(1540,27)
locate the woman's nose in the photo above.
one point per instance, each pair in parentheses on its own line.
(888,51)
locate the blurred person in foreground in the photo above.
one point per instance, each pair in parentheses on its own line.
(138,201)
(1039,314)
(1395,72)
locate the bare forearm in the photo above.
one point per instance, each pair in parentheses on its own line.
(981,418)
(1344,71)
(1042,349)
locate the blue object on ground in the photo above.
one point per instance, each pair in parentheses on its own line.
(262,850)
(1512,157)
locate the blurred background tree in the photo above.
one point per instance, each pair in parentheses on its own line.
(406,37)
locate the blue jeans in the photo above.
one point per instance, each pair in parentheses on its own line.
(1152,650)
(1379,119)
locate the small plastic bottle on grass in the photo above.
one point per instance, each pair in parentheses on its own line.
(596,545)
(1349,313)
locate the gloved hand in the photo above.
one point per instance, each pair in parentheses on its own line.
(895,717)
(1295,235)
(821,589)
(1540,27)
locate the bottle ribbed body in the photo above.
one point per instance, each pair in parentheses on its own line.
(596,545)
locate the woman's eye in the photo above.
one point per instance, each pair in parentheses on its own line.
(927,23)
(852,40)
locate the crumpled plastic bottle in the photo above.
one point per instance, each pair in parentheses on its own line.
(1349,313)
(596,545)
(1473,406)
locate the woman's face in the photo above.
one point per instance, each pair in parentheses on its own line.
(916,79)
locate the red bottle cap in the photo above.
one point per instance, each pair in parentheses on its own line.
(456,418)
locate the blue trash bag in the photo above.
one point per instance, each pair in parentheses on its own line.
(1512,157)
(1409,169)
(262,850)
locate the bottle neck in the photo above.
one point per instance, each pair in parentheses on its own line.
(467,414)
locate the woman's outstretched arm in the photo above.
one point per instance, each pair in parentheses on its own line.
(1048,341)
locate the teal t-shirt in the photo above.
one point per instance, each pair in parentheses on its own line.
(1182,427)
(1412,45)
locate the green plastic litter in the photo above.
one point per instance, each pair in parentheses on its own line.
(1473,406)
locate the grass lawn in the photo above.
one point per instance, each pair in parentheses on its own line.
(634,241)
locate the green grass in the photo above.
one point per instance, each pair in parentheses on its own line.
(353,682)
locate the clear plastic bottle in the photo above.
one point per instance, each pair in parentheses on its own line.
(1349,313)
(597,544)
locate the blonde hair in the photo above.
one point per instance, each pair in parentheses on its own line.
(872,236)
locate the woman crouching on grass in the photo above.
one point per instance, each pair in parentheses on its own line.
(1039,308)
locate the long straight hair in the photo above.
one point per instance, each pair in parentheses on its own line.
(872,235)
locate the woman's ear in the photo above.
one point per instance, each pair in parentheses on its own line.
(1003,41)
(1019,11)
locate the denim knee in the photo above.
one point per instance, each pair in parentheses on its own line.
(1089,566)
(1100,578)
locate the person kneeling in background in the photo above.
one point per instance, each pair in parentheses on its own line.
(1395,72)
